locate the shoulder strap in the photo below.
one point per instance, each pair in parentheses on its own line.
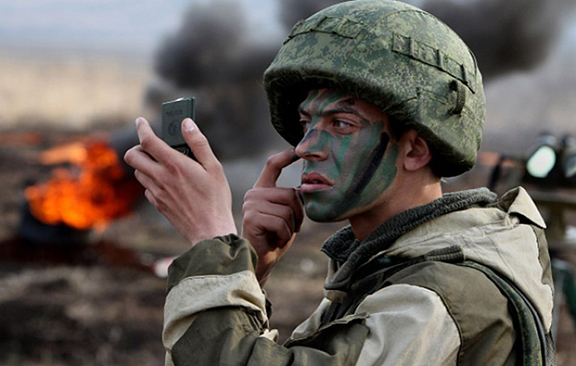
(535,350)
(537,345)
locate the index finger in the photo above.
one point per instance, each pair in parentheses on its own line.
(151,143)
(273,168)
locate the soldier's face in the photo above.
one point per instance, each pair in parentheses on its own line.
(349,157)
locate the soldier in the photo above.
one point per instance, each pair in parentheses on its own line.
(380,100)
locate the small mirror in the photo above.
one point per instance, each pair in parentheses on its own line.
(541,162)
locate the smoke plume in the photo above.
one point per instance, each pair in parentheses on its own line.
(505,35)
(212,57)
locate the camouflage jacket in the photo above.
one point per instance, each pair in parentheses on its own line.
(433,313)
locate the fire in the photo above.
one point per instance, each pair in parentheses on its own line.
(94,191)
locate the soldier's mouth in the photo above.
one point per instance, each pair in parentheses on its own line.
(313,182)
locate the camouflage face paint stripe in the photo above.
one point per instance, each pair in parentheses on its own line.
(318,101)
(359,160)
(360,182)
(306,103)
(317,140)
(346,143)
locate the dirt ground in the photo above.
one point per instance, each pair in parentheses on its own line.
(96,301)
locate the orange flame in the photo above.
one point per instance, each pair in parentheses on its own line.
(93,192)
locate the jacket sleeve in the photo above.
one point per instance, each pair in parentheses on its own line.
(215,314)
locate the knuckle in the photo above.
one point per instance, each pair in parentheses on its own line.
(160,199)
(161,206)
(199,140)
(249,220)
(172,167)
(146,142)
(275,224)
(246,209)
(164,183)
(284,232)
(271,162)
(252,195)
(284,212)
(248,195)
(246,201)
(218,169)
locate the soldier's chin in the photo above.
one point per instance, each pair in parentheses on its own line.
(321,213)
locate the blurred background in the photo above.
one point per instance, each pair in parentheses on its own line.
(82,256)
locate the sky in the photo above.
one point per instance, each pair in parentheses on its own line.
(126,26)
(137,28)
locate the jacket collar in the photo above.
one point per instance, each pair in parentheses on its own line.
(344,249)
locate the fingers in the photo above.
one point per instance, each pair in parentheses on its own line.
(283,213)
(278,201)
(158,150)
(148,184)
(150,197)
(199,144)
(140,160)
(274,166)
(150,143)
(278,231)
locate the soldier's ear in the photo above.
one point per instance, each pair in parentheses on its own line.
(415,151)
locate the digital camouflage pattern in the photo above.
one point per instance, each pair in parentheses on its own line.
(395,56)
(361,166)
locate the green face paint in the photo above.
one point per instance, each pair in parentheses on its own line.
(344,168)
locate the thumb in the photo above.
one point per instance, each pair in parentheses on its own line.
(198,143)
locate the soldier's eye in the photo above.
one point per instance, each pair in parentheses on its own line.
(342,126)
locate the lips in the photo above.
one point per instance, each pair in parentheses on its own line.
(312,182)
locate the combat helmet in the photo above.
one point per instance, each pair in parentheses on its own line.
(395,56)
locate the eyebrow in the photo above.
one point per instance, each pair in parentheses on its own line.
(343,106)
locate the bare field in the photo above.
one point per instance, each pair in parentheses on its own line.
(70,92)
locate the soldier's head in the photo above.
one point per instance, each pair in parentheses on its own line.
(394,57)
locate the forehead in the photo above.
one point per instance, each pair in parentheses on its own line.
(322,100)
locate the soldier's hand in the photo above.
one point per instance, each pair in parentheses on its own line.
(193,195)
(272,215)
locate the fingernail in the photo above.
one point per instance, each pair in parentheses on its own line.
(138,120)
(189,125)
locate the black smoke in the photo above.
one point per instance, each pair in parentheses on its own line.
(505,35)
(213,57)
(211,47)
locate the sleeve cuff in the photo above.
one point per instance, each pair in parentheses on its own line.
(222,255)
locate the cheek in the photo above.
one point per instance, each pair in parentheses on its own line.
(384,172)
(359,155)
(377,173)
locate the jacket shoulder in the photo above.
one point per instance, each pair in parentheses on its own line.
(476,305)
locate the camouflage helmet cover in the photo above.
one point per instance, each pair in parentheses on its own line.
(395,56)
